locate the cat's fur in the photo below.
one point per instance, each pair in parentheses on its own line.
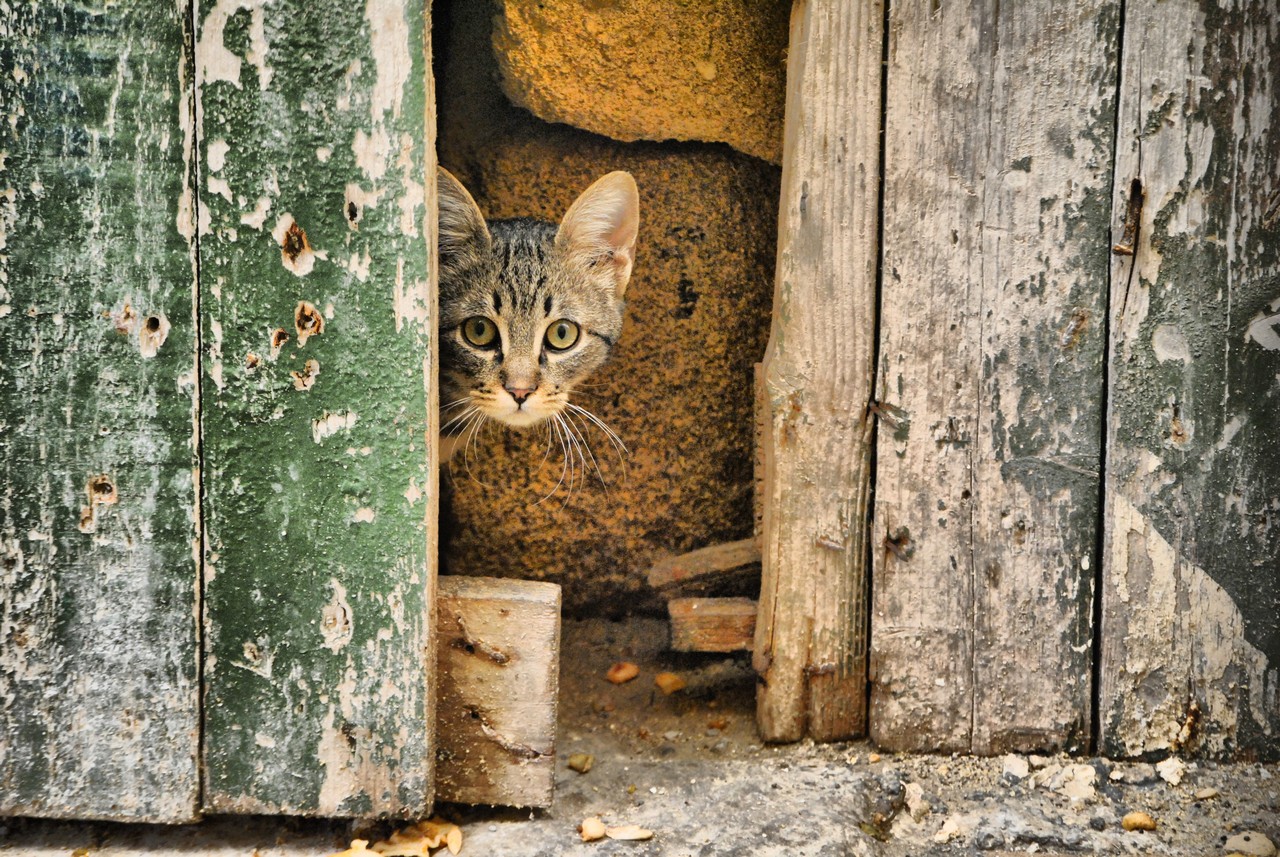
(527,277)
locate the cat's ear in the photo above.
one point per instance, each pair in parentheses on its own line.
(461,223)
(601,226)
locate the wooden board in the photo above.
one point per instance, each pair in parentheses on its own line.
(712,624)
(316,157)
(99,714)
(1191,592)
(499,668)
(999,126)
(810,648)
(724,565)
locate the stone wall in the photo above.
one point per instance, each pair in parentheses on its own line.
(679,390)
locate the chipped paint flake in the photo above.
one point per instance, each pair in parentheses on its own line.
(336,619)
(332,423)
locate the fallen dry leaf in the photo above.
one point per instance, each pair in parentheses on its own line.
(622,672)
(591,829)
(628,832)
(357,848)
(669,683)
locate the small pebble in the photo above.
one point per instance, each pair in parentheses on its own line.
(873,757)
(1015,767)
(1205,794)
(581,762)
(1251,842)
(1138,821)
(1172,770)
(1098,823)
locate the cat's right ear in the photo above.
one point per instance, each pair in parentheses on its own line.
(462,226)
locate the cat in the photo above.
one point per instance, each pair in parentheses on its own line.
(529,309)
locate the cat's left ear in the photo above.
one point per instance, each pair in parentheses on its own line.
(601,225)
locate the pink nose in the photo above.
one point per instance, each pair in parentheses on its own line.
(519,394)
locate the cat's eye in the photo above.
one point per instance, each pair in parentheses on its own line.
(479,331)
(562,334)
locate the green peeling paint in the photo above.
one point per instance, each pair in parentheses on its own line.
(98,597)
(314,271)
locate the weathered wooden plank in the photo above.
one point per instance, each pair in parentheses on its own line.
(97,576)
(499,672)
(98,631)
(711,566)
(315,148)
(712,624)
(1191,585)
(810,647)
(999,122)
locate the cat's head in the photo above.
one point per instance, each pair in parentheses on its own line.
(529,309)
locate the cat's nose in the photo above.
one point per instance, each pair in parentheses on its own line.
(519,393)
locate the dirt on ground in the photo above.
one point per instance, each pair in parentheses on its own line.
(688,768)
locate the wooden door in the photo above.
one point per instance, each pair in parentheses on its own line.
(99,570)
(216,409)
(1190,657)
(314,152)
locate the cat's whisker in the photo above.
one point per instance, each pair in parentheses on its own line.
(608,432)
(620,448)
(455,404)
(583,444)
(553,428)
(469,431)
(470,412)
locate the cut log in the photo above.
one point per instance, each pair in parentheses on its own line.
(712,624)
(714,566)
(811,640)
(499,674)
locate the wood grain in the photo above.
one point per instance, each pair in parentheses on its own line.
(99,643)
(810,647)
(712,624)
(316,157)
(1191,589)
(999,122)
(499,671)
(708,567)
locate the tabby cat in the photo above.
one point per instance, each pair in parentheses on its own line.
(529,309)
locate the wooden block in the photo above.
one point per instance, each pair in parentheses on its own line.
(1190,658)
(712,624)
(995,264)
(811,643)
(99,605)
(499,673)
(706,567)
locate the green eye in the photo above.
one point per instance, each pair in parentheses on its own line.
(479,331)
(562,334)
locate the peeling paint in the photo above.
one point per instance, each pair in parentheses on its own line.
(1181,606)
(332,423)
(336,619)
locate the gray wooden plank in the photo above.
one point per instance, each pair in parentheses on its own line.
(315,208)
(1191,587)
(98,598)
(811,641)
(999,125)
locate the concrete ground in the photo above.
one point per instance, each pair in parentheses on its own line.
(689,768)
